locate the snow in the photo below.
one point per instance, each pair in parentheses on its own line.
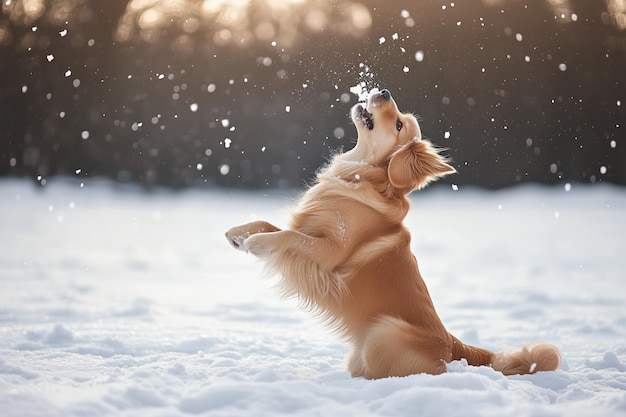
(116,302)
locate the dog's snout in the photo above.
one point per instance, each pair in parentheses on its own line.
(385,94)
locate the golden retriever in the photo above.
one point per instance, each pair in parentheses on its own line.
(347,254)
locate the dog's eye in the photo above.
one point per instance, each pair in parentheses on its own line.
(399,125)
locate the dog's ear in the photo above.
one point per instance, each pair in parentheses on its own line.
(416,164)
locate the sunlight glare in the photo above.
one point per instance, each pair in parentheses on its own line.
(240,22)
(149,18)
(617,12)
(360,16)
(26,11)
(562,9)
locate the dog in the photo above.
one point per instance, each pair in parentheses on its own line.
(347,254)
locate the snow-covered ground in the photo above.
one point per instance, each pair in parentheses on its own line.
(114,302)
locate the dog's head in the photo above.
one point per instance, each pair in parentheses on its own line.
(387,137)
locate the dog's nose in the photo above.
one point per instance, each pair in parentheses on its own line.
(385,94)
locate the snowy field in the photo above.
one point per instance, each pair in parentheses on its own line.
(114,302)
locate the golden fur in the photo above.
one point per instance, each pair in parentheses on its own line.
(347,254)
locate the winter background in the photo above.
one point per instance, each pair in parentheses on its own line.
(133,135)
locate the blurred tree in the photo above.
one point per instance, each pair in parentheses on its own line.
(256,94)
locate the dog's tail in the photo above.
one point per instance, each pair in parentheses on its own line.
(527,360)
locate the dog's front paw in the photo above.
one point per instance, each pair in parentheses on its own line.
(236,237)
(257,246)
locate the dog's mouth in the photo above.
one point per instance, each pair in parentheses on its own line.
(364,116)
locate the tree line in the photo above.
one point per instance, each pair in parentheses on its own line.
(259,96)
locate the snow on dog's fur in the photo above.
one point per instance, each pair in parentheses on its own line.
(347,254)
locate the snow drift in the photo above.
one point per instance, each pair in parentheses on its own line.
(117,302)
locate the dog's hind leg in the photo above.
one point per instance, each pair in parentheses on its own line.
(355,363)
(394,347)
